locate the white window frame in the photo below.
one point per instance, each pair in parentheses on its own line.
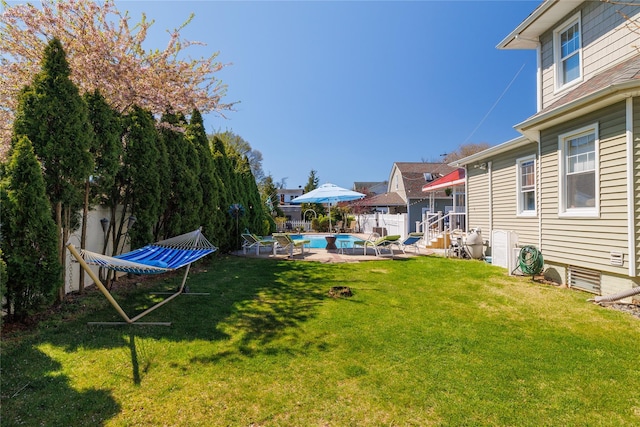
(560,84)
(591,211)
(520,205)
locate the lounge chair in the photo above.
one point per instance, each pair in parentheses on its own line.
(285,242)
(411,240)
(253,241)
(351,228)
(372,238)
(379,245)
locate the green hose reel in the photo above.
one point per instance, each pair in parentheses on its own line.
(530,260)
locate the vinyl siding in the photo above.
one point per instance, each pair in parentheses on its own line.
(587,242)
(504,192)
(606,40)
(505,197)
(636,177)
(478,200)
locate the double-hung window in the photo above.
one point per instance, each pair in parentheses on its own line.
(568,53)
(526,185)
(579,189)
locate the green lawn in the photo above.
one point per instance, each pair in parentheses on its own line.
(422,342)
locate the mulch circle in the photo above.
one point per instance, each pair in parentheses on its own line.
(340,291)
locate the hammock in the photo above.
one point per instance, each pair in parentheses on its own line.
(156,258)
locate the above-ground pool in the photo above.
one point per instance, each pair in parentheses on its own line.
(318,241)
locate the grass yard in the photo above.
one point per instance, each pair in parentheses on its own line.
(427,341)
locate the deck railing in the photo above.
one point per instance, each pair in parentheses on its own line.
(437,223)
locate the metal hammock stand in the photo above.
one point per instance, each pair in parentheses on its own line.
(161,257)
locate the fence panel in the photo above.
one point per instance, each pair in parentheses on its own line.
(383,224)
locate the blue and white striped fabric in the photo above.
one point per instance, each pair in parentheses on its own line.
(167,258)
(156,258)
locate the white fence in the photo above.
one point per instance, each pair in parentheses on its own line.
(94,243)
(383,224)
(293,225)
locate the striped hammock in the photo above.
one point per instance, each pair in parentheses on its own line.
(156,258)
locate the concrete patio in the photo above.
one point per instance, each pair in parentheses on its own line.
(337,256)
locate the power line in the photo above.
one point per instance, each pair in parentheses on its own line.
(495,103)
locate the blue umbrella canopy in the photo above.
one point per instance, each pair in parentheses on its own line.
(328,193)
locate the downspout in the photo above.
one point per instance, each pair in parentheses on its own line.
(539,77)
(539,192)
(631,226)
(490,172)
(466,197)
(539,160)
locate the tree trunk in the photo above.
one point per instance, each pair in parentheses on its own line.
(83,235)
(60,249)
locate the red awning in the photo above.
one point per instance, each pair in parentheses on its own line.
(451,179)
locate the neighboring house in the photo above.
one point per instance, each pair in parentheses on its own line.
(371,188)
(454,185)
(291,211)
(569,185)
(404,191)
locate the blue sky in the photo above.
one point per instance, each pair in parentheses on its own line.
(346,88)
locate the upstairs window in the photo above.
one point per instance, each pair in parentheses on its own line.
(579,172)
(526,181)
(568,53)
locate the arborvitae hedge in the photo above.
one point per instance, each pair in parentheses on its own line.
(210,214)
(184,203)
(141,175)
(29,235)
(53,115)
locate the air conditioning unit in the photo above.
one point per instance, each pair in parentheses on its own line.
(503,243)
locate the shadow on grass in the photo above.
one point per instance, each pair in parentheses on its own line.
(251,303)
(256,299)
(35,393)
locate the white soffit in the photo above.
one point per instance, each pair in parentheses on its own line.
(547,15)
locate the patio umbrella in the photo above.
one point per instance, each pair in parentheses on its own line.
(328,193)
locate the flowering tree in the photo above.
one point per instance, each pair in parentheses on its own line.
(104,52)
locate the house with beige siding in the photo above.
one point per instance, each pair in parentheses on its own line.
(569,185)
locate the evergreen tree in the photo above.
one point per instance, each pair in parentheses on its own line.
(28,231)
(193,202)
(224,177)
(185,196)
(312,184)
(257,219)
(140,177)
(243,148)
(210,212)
(239,191)
(164,176)
(53,115)
(3,279)
(269,197)
(106,150)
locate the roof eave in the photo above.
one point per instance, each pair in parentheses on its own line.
(492,151)
(456,183)
(545,16)
(595,101)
